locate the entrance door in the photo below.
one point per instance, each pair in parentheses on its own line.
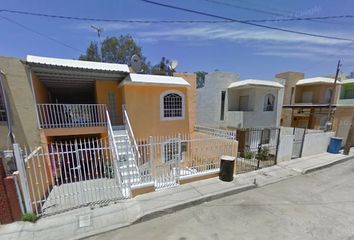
(112,108)
(299,134)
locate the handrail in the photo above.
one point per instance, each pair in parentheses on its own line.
(129,129)
(52,115)
(115,149)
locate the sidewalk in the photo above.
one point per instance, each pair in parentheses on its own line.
(84,222)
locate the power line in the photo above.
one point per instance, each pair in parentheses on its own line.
(262,11)
(40,34)
(171,21)
(247,23)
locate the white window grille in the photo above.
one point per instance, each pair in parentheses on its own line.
(269,103)
(172,105)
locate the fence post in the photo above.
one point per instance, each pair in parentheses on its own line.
(151,160)
(277,148)
(22,174)
(302,142)
(179,156)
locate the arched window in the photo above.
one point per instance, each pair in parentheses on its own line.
(172,105)
(269,101)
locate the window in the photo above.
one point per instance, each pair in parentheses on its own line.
(171,151)
(349,94)
(265,136)
(269,103)
(328,95)
(223,93)
(3,117)
(172,105)
(243,103)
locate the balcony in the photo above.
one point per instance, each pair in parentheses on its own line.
(71,115)
(345,102)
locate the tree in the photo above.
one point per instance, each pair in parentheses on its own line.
(116,50)
(91,53)
(200,78)
(162,68)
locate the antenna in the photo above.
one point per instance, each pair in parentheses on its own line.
(135,63)
(99,30)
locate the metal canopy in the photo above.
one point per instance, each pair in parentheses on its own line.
(66,81)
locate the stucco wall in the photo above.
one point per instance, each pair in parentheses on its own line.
(41,91)
(143,107)
(102,88)
(191,78)
(21,101)
(209,98)
(285,147)
(318,92)
(342,121)
(316,143)
(291,78)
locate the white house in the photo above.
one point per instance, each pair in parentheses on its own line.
(225,101)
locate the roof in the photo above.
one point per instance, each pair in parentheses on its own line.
(347,81)
(59,62)
(315,81)
(253,82)
(155,79)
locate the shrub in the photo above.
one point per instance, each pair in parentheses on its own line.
(263,154)
(29,217)
(249,155)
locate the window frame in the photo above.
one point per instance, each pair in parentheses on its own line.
(265,104)
(162,109)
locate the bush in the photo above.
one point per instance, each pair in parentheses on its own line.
(29,217)
(263,154)
(249,155)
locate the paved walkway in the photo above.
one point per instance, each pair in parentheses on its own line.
(84,222)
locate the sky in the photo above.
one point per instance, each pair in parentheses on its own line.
(251,51)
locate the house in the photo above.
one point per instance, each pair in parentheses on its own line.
(344,110)
(228,102)
(113,133)
(313,103)
(252,107)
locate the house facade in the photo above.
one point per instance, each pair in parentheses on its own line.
(225,101)
(344,110)
(314,103)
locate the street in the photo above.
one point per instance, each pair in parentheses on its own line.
(319,205)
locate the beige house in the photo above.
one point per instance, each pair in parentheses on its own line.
(308,103)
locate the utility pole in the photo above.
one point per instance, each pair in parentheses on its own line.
(348,142)
(329,122)
(99,30)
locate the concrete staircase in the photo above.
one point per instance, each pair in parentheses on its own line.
(127,165)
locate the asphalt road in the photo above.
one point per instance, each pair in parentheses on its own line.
(319,205)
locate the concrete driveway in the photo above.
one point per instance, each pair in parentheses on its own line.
(319,205)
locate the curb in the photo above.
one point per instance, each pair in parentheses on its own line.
(313,169)
(197,201)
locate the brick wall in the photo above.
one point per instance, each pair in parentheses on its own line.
(9,205)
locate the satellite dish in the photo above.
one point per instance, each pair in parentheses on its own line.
(173,64)
(135,63)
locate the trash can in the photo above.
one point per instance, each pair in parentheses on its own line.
(334,145)
(227,165)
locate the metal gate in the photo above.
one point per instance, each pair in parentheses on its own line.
(67,175)
(298,143)
(258,148)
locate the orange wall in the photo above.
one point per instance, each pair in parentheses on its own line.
(143,107)
(41,91)
(102,90)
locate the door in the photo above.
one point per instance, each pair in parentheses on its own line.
(243,103)
(112,108)
(299,136)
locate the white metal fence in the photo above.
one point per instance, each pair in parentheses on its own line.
(167,159)
(71,115)
(67,175)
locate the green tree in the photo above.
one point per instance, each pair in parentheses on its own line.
(161,68)
(91,53)
(116,50)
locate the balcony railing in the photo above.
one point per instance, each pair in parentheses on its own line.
(71,115)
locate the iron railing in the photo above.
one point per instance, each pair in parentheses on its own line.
(71,115)
(216,132)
